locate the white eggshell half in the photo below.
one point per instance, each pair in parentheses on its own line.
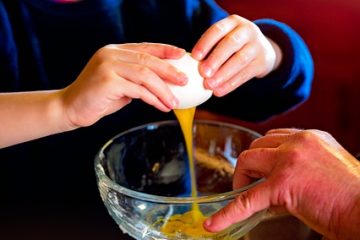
(193,93)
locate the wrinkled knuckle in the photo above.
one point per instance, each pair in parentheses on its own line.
(241,78)
(237,37)
(242,202)
(143,72)
(242,58)
(306,136)
(142,58)
(169,69)
(143,46)
(226,215)
(243,155)
(294,156)
(221,27)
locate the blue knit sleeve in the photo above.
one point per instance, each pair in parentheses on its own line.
(278,92)
(295,74)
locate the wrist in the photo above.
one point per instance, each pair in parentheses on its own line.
(57,112)
(345,225)
(351,221)
(278,54)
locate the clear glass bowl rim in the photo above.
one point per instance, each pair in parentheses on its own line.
(104,179)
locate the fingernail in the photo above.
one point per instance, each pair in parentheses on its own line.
(207,71)
(198,55)
(174,103)
(220,92)
(212,83)
(182,78)
(208,222)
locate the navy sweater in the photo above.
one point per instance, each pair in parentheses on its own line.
(44,45)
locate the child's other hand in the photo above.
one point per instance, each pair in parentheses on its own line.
(233,51)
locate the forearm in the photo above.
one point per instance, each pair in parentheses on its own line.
(354,222)
(347,225)
(29,115)
(334,210)
(278,54)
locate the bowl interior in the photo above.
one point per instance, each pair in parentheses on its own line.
(153,159)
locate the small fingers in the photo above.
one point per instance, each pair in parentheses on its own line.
(234,65)
(156,49)
(136,91)
(234,82)
(162,68)
(145,77)
(150,56)
(213,35)
(229,45)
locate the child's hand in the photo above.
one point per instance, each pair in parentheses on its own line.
(118,73)
(233,51)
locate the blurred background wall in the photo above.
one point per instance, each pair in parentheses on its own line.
(331,28)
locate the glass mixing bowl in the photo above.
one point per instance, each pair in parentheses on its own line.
(143,177)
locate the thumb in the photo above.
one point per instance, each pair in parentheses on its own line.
(244,205)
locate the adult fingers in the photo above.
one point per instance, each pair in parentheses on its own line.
(283,131)
(244,205)
(245,177)
(253,163)
(270,141)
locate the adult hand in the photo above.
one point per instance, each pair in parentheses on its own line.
(118,73)
(307,173)
(233,51)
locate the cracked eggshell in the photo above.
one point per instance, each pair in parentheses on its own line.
(193,93)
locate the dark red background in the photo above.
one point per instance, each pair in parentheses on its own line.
(331,30)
